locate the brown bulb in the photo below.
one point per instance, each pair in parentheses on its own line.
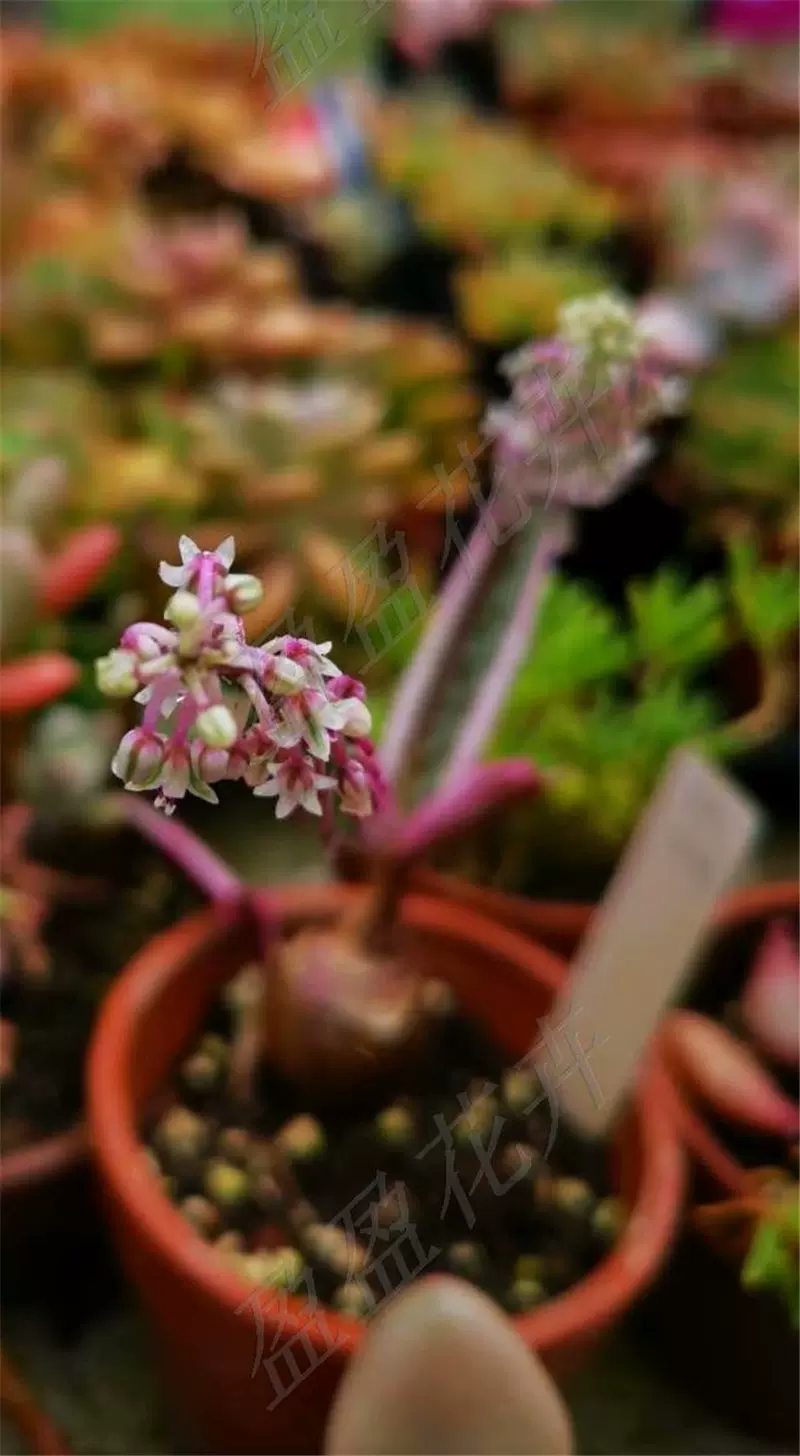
(338,1017)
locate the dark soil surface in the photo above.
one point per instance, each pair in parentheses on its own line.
(454,1173)
(89,940)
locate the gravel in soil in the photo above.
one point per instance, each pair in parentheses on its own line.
(452,1173)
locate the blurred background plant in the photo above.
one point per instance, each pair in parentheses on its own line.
(739,457)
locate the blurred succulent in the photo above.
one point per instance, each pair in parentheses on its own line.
(740,449)
(733,234)
(40,588)
(505,299)
(479,185)
(28,891)
(67,754)
(594,64)
(134,289)
(328,481)
(102,111)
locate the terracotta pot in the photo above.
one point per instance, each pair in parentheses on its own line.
(559,926)
(201,1312)
(737,1349)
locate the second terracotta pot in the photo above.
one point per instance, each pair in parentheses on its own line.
(225,1348)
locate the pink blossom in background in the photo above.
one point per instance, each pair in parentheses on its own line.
(756,19)
(422,26)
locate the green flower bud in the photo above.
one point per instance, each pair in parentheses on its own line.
(217,727)
(182,610)
(243,592)
(116,674)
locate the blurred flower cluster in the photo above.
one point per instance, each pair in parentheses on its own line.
(572,430)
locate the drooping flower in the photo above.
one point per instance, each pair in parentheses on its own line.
(282,716)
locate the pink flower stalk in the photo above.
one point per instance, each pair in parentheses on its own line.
(282,717)
(572,431)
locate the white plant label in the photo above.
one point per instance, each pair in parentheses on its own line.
(644,938)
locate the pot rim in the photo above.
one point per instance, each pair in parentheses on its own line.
(751,902)
(589,1306)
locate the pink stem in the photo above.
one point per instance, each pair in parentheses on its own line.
(455,809)
(199,863)
(422,677)
(516,639)
(162,687)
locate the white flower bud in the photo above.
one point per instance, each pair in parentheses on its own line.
(358,721)
(217,727)
(182,610)
(116,674)
(243,592)
(286,676)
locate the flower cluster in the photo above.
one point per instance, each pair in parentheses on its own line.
(573,429)
(281,717)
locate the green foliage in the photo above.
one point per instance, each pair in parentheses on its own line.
(742,437)
(602,703)
(772,1260)
(767,598)
(676,627)
(579,643)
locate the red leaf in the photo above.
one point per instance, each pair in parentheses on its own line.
(771,1000)
(35,680)
(82,561)
(715,1068)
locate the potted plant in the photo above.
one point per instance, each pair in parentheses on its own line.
(344,993)
(479,185)
(733,1056)
(737,462)
(38,589)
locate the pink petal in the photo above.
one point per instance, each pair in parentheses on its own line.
(771,1000)
(712,1066)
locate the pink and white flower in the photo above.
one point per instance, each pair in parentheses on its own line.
(282,717)
(297,785)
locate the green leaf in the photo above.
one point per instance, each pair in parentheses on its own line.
(766,597)
(742,436)
(772,1260)
(579,642)
(677,627)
